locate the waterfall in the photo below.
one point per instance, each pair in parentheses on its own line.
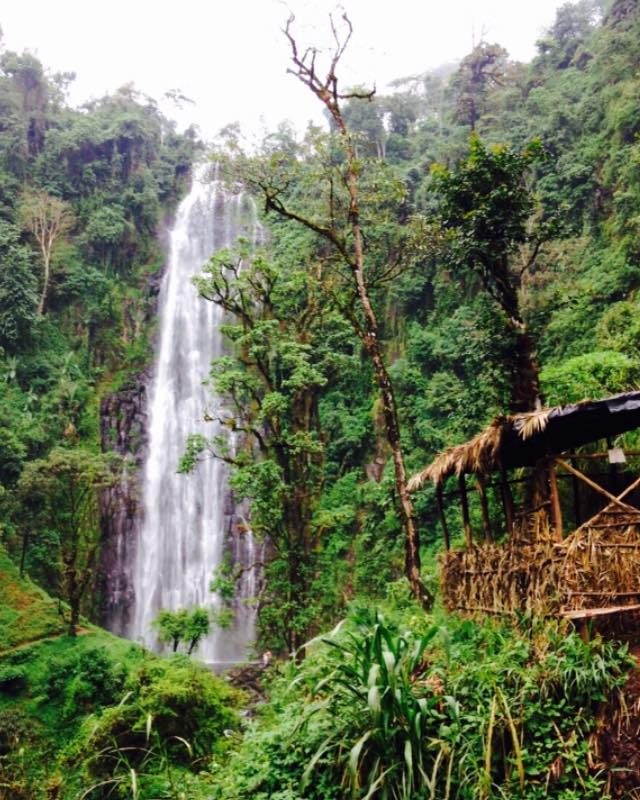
(186,519)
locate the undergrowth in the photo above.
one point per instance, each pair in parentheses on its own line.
(98,717)
(450,709)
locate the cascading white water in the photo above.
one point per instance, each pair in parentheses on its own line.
(184,520)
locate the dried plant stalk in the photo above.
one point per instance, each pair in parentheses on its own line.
(597,566)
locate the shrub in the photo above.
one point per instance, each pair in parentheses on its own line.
(83,682)
(589,376)
(174,712)
(13,678)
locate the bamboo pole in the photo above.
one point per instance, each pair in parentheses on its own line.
(596,487)
(588,456)
(617,500)
(556,511)
(443,518)
(507,500)
(613,470)
(576,497)
(486,520)
(464,501)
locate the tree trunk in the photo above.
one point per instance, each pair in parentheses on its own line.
(383,381)
(525,394)
(45,285)
(74,617)
(23,554)
(327,93)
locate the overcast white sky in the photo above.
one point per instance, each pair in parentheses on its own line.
(230,56)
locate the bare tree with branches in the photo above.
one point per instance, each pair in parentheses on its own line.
(349,243)
(47,218)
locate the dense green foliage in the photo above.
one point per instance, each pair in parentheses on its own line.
(82,196)
(187,627)
(442,708)
(96,711)
(511,252)
(489,273)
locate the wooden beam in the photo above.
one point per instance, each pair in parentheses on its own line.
(605,455)
(443,518)
(604,594)
(629,489)
(575,486)
(484,506)
(613,470)
(556,511)
(464,502)
(625,508)
(589,613)
(596,487)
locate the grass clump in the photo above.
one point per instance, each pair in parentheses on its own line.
(86,716)
(169,722)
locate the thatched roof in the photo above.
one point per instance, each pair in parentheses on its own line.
(523,439)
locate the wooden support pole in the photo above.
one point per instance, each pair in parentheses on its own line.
(443,518)
(576,497)
(613,470)
(464,501)
(507,500)
(486,520)
(599,456)
(556,511)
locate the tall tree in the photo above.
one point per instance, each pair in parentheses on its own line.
(494,230)
(339,224)
(17,290)
(47,218)
(483,68)
(286,341)
(62,492)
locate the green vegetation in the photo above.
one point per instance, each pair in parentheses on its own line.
(443,254)
(63,491)
(82,196)
(97,711)
(27,613)
(435,707)
(185,627)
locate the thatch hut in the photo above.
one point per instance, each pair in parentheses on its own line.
(551,518)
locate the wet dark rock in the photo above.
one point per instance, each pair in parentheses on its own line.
(124,429)
(250,678)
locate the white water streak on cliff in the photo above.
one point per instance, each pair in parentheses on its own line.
(184,521)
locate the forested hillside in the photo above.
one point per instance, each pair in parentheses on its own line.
(83,197)
(464,247)
(500,249)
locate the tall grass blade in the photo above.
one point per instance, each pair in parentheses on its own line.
(485,788)
(354,755)
(517,749)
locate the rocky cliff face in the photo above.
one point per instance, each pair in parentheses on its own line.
(123,429)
